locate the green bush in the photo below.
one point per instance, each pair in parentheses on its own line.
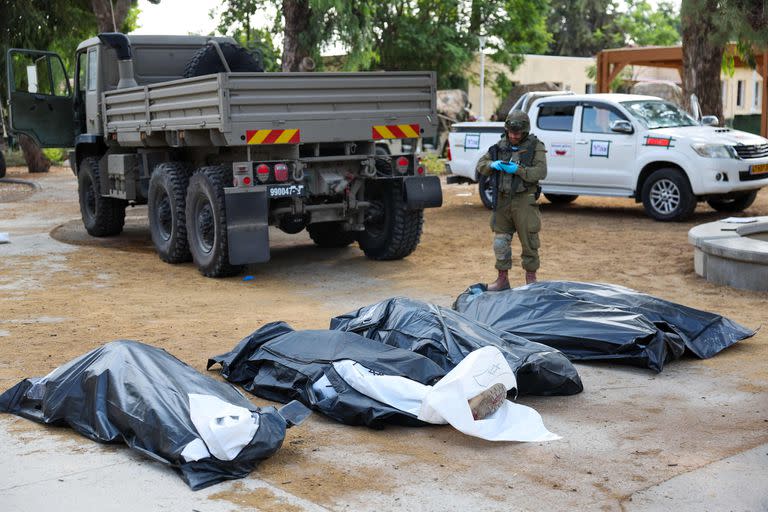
(433,163)
(57,156)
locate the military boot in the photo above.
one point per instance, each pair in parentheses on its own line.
(501,283)
(530,277)
(487,402)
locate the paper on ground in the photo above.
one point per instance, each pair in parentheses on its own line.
(225,428)
(5,238)
(446,402)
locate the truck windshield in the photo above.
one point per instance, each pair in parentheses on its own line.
(659,114)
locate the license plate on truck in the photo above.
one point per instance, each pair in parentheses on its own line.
(758,169)
(280,191)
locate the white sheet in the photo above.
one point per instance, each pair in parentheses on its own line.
(446,401)
(225,428)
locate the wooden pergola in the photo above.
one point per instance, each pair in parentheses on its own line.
(611,62)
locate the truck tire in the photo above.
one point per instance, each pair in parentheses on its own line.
(667,196)
(560,198)
(206,218)
(167,199)
(206,60)
(330,235)
(485,188)
(391,231)
(102,216)
(737,203)
(2,165)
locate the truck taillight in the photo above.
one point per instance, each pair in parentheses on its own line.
(402,165)
(448,151)
(242,174)
(281,172)
(262,172)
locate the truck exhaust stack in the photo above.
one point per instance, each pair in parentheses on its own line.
(121,45)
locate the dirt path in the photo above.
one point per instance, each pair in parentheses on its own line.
(63,293)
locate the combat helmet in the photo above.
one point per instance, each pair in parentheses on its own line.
(518,121)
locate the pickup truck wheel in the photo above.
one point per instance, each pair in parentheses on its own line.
(736,203)
(206,60)
(667,196)
(330,235)
(560,198)
(391,231)
(102,216)
(206,218)
(167,216)
(485,188)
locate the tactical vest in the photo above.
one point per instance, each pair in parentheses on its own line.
(527,151)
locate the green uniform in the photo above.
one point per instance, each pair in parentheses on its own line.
(516,209)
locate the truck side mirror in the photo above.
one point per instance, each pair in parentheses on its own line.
(710,121)
(622,126)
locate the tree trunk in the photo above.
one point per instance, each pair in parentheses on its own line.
(103,9)
(33,155)
(702,56)
(295,48)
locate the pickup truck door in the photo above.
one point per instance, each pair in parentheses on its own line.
(554,126)
(604,158)
(40,98)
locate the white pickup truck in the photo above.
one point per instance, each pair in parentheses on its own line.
(627,145)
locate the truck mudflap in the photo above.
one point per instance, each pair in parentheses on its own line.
(422,192)
(247,225)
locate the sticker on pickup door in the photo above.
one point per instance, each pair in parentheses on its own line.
(560,149)
(660,142)
(280,191)
(472,141)
(599,148)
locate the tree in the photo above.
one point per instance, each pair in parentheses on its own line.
(642,25)
(584,27)
(112,14)
(708,25)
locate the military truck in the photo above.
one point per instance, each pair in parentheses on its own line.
(219,150)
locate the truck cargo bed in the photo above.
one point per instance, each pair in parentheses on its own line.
(228,108)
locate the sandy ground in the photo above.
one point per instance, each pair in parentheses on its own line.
(63,293)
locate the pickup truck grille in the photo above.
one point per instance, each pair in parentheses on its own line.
(754,151)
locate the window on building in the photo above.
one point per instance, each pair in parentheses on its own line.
(557,117)
(740,93)
(590,88)
(757,97)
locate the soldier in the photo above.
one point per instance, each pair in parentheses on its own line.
(515,165)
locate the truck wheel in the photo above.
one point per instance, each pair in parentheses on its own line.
(391,231)
(206,218)
(167,216)
(206,60)
(736,203)
(560,198)
(102,216)
(2,165)
(667,196)
(485,188)
(330,235)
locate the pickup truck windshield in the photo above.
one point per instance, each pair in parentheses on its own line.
(659,114)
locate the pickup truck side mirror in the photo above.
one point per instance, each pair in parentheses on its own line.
(710,121)
(622,126)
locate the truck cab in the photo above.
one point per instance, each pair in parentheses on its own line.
(622,145)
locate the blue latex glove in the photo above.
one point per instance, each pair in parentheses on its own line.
(495,165)
(509,168)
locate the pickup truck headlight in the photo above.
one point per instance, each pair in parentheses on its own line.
(713,150)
